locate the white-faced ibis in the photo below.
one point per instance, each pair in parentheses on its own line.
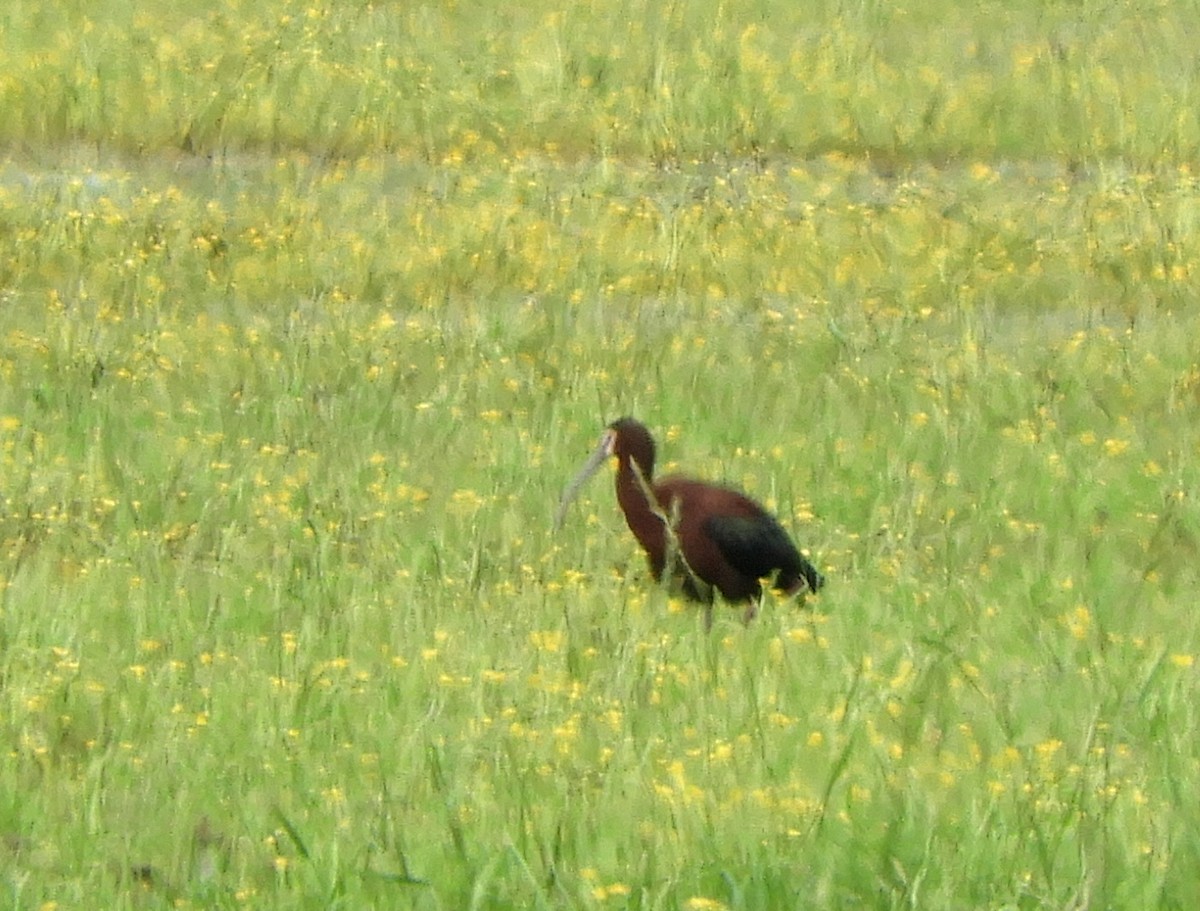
(712,537)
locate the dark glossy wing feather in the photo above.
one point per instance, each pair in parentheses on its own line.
(758,546)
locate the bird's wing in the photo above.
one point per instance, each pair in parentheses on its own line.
(756,545)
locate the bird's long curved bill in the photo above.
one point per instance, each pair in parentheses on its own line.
(592,465)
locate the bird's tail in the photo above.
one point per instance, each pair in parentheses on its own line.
(802,577)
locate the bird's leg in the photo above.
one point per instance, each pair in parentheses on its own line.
(753,606)
(751,611)
(707,595)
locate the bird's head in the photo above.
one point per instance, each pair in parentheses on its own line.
(627,439)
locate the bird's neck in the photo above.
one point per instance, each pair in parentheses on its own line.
(634,492)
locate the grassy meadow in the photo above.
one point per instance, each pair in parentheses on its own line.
(309,311)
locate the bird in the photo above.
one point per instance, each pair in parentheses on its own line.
(706,536)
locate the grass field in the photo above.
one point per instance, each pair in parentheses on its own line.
(308,313)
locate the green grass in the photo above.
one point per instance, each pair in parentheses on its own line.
(307,314)
(448,80)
